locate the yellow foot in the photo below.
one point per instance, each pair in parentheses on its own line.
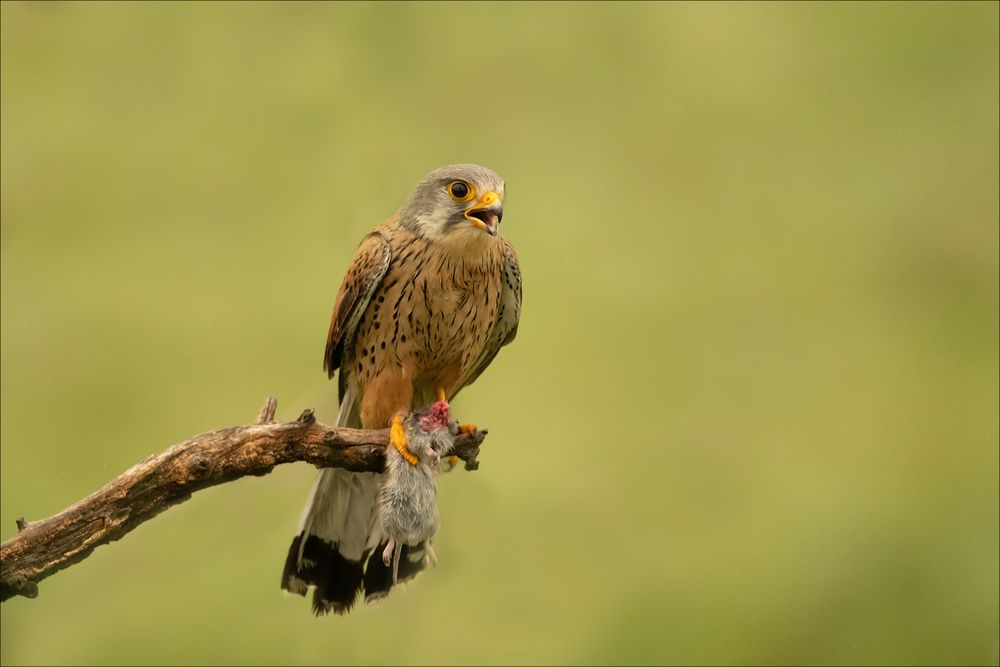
(397,438)
(441,396)
(453,460)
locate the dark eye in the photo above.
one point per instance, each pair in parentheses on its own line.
(460,191)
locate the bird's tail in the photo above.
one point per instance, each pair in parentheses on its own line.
(338,546)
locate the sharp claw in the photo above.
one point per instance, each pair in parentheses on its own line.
(397,438)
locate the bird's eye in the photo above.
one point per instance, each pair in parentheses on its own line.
(460,191)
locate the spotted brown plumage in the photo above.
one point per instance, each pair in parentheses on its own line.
(430,297)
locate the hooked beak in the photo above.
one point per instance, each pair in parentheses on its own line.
(486,213)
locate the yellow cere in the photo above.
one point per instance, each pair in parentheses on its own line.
(489,198)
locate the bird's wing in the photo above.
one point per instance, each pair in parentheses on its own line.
(508,314)
(371,260)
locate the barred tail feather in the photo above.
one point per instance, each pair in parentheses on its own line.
(330,546)
(329,550)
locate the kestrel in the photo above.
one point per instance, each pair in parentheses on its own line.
(430,297)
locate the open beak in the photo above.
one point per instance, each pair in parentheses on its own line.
(486,213)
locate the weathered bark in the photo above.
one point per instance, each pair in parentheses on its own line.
(42,548)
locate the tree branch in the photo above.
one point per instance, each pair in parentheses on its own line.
(42,548)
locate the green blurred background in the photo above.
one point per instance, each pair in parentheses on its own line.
(751,413)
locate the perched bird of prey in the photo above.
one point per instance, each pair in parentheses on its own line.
(431,296)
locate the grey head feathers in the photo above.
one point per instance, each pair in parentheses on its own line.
(431,211)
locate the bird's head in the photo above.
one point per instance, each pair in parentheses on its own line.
(461,202)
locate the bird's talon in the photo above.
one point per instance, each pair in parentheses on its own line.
(467,428)
(397,438)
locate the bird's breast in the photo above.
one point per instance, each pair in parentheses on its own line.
(430,317)
(453,317)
